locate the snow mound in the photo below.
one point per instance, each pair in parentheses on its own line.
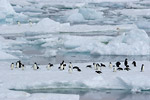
(90,14)
(76,18)
(8,15)
(48,25)
(134,42)
(6,8)
(7,56)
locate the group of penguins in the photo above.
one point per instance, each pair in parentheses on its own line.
(97,66)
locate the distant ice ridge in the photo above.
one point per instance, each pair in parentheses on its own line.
(83,14)
(129,40)
(134,42)
(47,25)
(7,13)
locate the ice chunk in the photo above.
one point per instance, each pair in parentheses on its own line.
(5,7)
(90,14)
(76,18)
(7,56)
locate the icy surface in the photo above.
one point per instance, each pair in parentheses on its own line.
(132,80)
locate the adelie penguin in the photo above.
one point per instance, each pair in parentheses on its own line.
(12,66)
(70,68)
(78,69)
(98,70)
(134,63)
(18,64)
(119,68)
(62,65)
(127,68)
(110,65)
(126,62)
(35,67)
(49,66)
(89,66)
(118,64)
(102,65)
(114,68)
(95,66)
(142,68)
(22,66)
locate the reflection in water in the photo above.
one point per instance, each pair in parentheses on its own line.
(92,94)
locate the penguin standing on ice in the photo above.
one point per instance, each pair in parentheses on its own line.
(22,66)
(98,69)
(18,22)
(77,68)
(134,63)
(35,67)
(110,65)
(103,65)
(95,66)
(62,65)
(118,64)
(70,68)
(12,66)
(30,23)
(142,68)
(49,66)
(114,68)
(126,62)
(18,64)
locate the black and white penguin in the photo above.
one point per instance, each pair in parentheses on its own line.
(78,69)
(18,22)
(35,66)
(18,64)
(22,66)
(98,70)
(70,68)
(142,68)
(49,66)
(118,64)
(30,23)
(126,62)
(103,65)
(127,68)
(114,68)
(119,68)
(110,65)
(12,66)
(62,65)
(95,66)
(134,63)
(89,66)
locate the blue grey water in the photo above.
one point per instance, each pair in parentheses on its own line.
(93,94)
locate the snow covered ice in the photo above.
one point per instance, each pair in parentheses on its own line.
(80,31)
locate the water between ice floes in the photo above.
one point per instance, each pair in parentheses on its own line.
(90,94)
